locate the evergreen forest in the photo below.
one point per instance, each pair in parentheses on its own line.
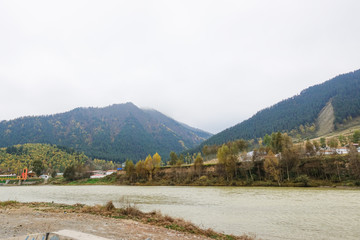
(117,132)
(299,112)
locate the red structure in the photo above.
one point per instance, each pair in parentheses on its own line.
(24,174)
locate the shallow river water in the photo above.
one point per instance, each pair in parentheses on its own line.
(270,213)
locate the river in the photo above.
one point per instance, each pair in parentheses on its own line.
(270,213)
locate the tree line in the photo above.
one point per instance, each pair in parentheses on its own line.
(276,159)
(40,157)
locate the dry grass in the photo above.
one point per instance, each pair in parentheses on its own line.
(8,204)
(129,212)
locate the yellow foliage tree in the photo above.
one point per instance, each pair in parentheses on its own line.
(140,169)
(271,166)
(152,164)
(228,157)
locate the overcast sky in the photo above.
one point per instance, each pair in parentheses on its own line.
(209,64)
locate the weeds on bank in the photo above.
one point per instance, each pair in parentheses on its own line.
(156,218)
(129,211)
(8,204)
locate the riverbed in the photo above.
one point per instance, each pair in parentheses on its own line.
(270,213)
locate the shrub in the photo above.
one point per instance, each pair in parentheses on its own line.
(203,178)
(304,179)
(76,172)
(109,206)
(335,179)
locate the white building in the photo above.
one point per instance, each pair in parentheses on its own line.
(98,176)
(342,150)
(109,172)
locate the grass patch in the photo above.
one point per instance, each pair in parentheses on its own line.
(8,204)
(110,179)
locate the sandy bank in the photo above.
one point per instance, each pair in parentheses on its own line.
(26,220)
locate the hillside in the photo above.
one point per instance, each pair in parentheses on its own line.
(117,132)
(341,95)
(13,159)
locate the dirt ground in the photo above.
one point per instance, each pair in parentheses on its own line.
(24,220)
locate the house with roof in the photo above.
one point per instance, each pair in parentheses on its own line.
(98,176)
(328,152)
(342,150)
(109,172)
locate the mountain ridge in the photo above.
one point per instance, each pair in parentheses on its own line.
(300,110)
(115,132)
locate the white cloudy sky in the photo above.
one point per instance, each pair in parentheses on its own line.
(210,64)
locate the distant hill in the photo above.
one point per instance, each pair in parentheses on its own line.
(117,132)
(13,159)
(318,110)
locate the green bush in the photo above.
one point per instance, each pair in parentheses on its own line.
(304,179)
(335,179)
(203,179)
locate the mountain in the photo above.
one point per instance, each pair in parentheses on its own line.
(316,110)
(117,132)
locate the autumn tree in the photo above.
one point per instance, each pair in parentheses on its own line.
(103,164)
(316,145)
(156,160)
(152,164)
(309,148)
(333,142)
(290,158)
(356,137)
(130,170)
(179,162)
(188,158)
(173,158)
(70,173)
(289,155)
(354,162)
(149,166)
(228,157)
(343,140)
(276,142)
(271,166)
(76,171)
(267,140)
(181,158)
(38,167)
(205,150)
(53,174)
(246,165)
(140,169)
(240,144)
(198,164)
(323,142)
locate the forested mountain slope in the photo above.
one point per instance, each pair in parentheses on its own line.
(13,159)
(342,92)
(117,132)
